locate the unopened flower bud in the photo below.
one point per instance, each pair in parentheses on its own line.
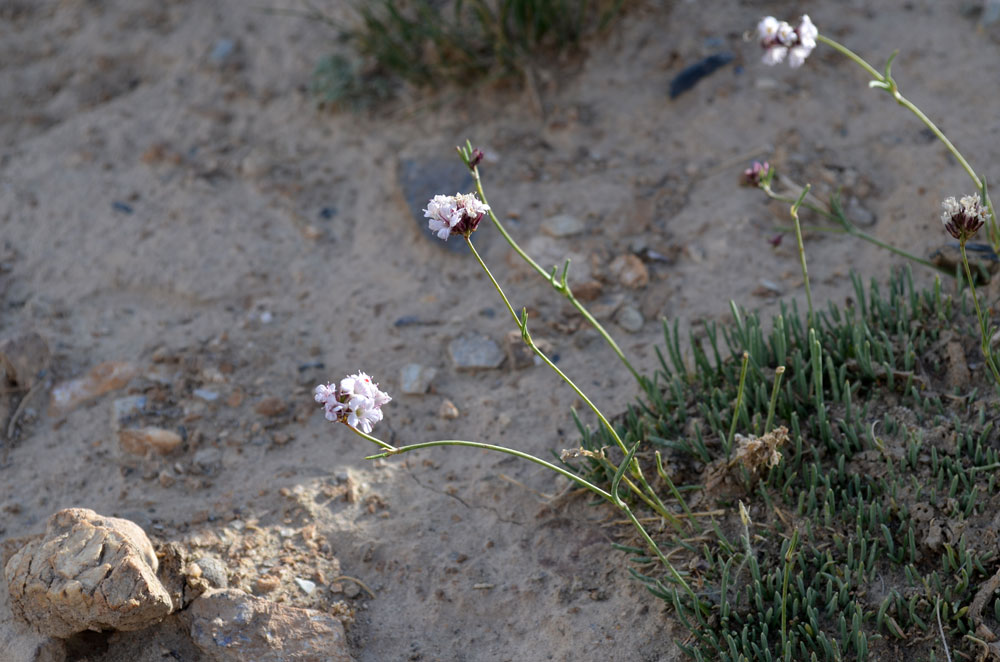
(476,157)
(755,174)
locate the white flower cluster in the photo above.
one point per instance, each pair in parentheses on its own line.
(779,39)
(454,214)
(356,401)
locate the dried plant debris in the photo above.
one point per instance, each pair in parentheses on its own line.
(873,502)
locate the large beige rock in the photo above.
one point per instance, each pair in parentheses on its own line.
(229,625)
(18,642)
(87,572)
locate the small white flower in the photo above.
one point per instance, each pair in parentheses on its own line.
(357,384)
(807,32)
(767,29)
(774,55)
(797,55)
(786,34)
(362,413)
(471,204)
(324,392)
(951,207)
(444,214)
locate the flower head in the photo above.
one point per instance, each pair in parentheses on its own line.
(454,214)
(963,218)
(780,40)
(356,401)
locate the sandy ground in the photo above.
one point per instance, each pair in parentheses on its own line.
(197,217)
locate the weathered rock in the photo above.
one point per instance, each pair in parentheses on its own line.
(87,572)
(630,319)
(563,225)
(101,379)
(471,351)
(630,271)
(415,379)
(231,626)
(144,441)
(19,643)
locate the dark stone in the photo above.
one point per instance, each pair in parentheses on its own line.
(422,179)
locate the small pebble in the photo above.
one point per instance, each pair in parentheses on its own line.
(448,411)
(307,586)
(214,570)
(145,440)
(630,319)
(266,584)
(630,271)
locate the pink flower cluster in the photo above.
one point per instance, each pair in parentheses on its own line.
(779,39)
(454,214)
(356,401)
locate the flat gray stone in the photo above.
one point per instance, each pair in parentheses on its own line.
(472,351)
(416,379)
(563,225)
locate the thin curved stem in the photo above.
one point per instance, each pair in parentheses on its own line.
(604,494)
(887,83)
(522,325)
(583,482)
(375,440)
(650,496)
(560,286)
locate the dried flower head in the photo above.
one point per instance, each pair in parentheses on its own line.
(356,401)
(963,218)
(755,452)
(779,39)
(454,214)
(755,174)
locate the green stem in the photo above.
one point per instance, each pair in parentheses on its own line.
(651,499)
(802,251)
(984,333)
(789,563)
(604,494)
(560,286)
(375,440)
(778,372)
(887,83)
(739,404)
